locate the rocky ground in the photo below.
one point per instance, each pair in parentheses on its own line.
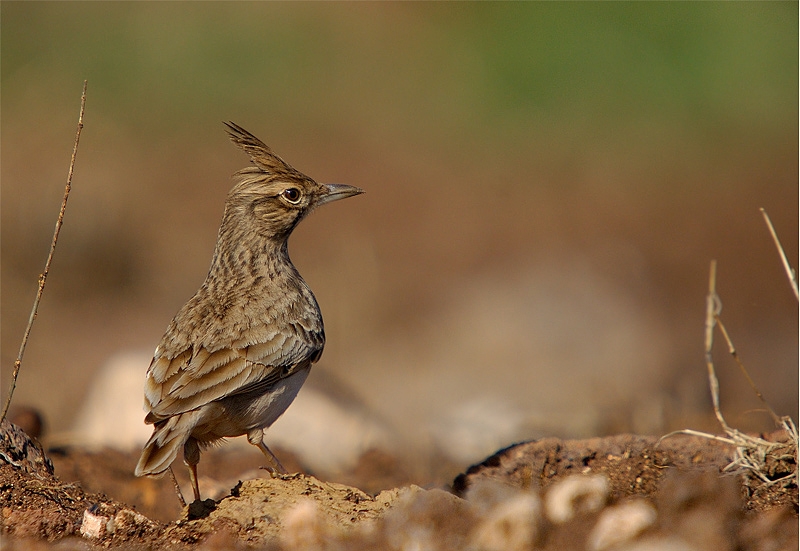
(620,492)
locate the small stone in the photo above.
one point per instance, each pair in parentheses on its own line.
(621,524)
(93,526)
(508,518)
(575,494)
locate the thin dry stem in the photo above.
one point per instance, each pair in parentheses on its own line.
(713,308)
(790,273)
(735,354)
(691,432)
(43,275)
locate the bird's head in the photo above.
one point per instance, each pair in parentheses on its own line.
(272,196)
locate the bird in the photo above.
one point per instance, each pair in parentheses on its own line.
(235,355)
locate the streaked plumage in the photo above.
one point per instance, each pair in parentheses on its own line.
(236,354)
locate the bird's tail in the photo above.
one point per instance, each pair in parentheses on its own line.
(168,438)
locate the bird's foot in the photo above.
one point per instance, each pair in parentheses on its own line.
(274,472)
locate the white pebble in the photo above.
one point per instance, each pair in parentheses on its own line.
(511,525)
(621,524)
(93,526)
(575,494)
(304,528)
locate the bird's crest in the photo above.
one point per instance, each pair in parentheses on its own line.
(260,153)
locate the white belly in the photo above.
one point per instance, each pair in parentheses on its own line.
(267,408)
(239,415)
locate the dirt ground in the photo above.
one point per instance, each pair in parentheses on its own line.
(618,492)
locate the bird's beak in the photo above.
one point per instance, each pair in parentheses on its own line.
(334,192)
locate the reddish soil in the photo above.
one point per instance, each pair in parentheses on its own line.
(92,501)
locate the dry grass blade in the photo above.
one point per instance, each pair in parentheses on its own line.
(43,275)
(735,355)
(713,308)
(790,273)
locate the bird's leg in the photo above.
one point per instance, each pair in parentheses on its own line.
(275,467)
(191,456)
(256,437)
(177,486)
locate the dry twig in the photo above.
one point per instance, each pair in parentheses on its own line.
(790,273)
(43,275)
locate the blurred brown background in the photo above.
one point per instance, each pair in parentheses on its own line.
(546,185)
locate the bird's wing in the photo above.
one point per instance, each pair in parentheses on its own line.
(195,377)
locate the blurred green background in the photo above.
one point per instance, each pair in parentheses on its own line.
(546,185)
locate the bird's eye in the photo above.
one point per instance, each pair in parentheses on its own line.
(292,195)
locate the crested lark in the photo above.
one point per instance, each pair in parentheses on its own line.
(235,356)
